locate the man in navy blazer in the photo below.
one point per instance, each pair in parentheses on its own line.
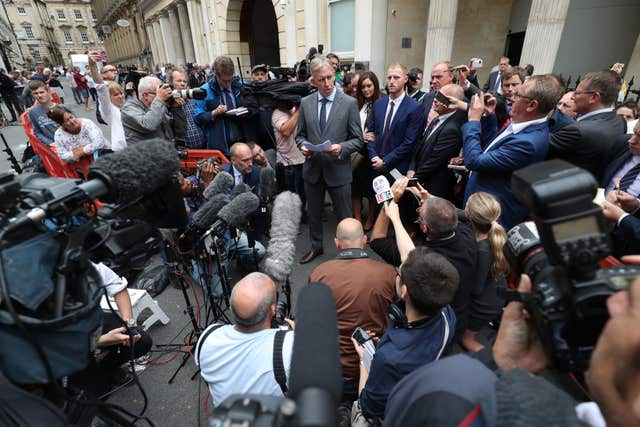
(241,167)
(492,157)
(624,157)
(396,122)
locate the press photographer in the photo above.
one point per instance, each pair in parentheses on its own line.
(147,117)
(186,131)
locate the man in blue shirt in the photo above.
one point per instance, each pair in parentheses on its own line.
(426,284)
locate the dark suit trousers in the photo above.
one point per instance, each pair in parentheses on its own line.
(341,199)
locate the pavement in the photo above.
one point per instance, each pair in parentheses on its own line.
(182,402)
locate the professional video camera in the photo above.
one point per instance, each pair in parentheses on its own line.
(51,230)
(271,94)
(560,253)
(189,93)
(283,72)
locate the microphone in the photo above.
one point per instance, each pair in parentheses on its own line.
(135,171)
(312,52)
(208,212)
(382,188)
(267,183)
(236,213)
(239,189)
(285,222)
(221,183)
(316,376)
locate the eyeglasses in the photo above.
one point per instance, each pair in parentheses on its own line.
(580,92)
(516,95)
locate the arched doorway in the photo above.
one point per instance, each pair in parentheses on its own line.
(259,28)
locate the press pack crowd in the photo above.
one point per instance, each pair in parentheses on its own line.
(448,349)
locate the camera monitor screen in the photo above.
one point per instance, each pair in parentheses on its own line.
(568,230)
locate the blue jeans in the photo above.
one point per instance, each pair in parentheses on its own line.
(236,248)
(76,95)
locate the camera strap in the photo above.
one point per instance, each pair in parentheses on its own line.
(200,342)
(278,363)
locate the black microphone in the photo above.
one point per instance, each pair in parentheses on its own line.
(267,183)
(220,184)
(208,212)
(135,171)
(286,213)
(316,375)
(312,52)
(236,213)
(239,189)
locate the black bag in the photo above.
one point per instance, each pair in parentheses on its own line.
(154,278)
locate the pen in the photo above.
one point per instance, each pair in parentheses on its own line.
(617,186)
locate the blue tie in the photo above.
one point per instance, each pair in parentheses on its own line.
(498,82)
(323,114)
(629,177)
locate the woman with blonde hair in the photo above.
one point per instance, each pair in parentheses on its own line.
(482,211)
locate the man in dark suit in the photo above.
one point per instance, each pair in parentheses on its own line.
(623,172)
(587,142)
(442,74)
(494,82)
(396,121)
(241,167)
(492,157)
(441,141)
(328,115)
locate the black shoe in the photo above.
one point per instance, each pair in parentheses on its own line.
(310,256)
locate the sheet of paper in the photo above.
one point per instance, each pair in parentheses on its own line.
(240,111)
(395,173)
(325,146)
(599,199)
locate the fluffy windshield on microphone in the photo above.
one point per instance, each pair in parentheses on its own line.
(220,184)
(267,183)
(239,189)
(316,359)
(286,212)
(238,211)
(208,212)
(137,170)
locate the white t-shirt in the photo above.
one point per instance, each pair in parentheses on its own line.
(111,114)
(233,362)
(110,279)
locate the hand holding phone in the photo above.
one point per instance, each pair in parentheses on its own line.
(442,99)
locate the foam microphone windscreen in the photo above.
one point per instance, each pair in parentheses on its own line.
(208,212)
(285,221)
(220,184)
(237,212)
(239,189)
(382,188)
(137,170)
(267,183)
(316,358)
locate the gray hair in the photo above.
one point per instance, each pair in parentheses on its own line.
(440,217)
(319,62)
(146,84)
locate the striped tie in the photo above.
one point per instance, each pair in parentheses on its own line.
(629,177)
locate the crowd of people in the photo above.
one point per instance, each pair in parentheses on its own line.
(450,152)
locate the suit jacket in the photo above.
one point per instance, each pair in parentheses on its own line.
(491,170)
(619,155)
(404,131)
(433,153)
(587,143)
(342,127)
(490,84)
(252,179)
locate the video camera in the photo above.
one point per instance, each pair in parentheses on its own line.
(560,252)
(197,93)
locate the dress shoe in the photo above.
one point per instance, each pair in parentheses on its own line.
(310,256)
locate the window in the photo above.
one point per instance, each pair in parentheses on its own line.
(21,10)
(67,37)
(84,36)
(342,17)
(77,14)
(29,32)
(36,56)
(61,16)
(93,15)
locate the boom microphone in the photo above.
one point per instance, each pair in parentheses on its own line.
(221,183)
(239,189)
(267,183)
(284,232)
(208,212)
(316,377)
(135,171)
(382,189)
(238,211)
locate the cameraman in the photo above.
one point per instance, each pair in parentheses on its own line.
(414,85)
(238,358)
(186,132)
(147,117)
(459,388)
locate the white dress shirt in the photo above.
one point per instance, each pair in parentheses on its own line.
(330,98)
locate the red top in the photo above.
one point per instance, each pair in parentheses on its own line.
(80,81)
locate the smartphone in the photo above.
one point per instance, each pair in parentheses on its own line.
(413,182)
(476,64)
(360,335)
(442,99)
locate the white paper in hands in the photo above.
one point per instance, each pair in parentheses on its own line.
(325,146)
(240,111)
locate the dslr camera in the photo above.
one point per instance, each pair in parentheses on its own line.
(189,93)
(561,251)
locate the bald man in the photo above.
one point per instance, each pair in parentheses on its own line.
(241,166)
(362,288)
(238,358)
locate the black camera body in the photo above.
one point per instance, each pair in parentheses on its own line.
(560,252)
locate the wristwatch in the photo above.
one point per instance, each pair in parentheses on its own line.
(131,323)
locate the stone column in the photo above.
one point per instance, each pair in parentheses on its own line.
(162,56)
(440,29)
(206,32)
(633,66)
(370,45)
(152,41)
(186,31)
(176,36)
(544,30)
(167,39)
(290,34)
(195,23)
(311,23)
